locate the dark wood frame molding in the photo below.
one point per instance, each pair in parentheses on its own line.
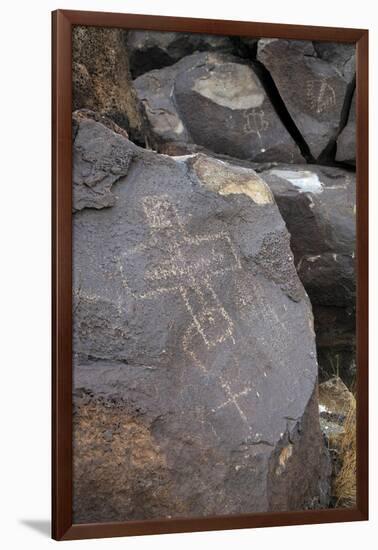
(62,526)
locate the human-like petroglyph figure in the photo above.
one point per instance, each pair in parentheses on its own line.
(321,95)
(256,123)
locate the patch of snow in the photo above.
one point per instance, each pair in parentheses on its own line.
(304,180)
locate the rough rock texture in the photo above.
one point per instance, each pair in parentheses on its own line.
(215,101)
(195,374)
(318,206)
(106,121)
(101,79)
(346,142)
(312,81)
(154,50)
(97,163)
(340,55)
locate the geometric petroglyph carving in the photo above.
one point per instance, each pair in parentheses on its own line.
(188,268)
(321,95)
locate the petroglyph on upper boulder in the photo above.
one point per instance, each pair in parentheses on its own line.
(312,80)
(215,101)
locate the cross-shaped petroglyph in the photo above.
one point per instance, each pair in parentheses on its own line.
(255,123)
(233,399)
(187,266)
(190,264)
(321,95)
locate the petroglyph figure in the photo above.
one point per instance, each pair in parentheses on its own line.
(255,123)
(190,264)
(233,399)
(321,95)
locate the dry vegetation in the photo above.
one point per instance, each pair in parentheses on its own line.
(344,487)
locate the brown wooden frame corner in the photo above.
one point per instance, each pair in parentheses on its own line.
(62,526)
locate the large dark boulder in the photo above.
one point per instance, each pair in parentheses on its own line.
(101,79)
(195,373)
(215,101)
(150,50)
(318,206)
(313,81)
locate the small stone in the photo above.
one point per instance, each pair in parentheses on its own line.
(108,435)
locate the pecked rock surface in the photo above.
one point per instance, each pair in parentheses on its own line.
(215,101)
(154,50)
(318,206)
(195,373)
(312,80)
(101,78)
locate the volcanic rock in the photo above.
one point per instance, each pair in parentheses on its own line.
(341,55)
(215,101)
(313,82)
(318,206)
(101,79)
(195,373)
(150,50)
(346,142)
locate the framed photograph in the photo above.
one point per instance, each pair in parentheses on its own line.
(210,274)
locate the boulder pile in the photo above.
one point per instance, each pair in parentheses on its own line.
(214,280)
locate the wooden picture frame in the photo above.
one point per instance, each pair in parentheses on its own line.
(62,23)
